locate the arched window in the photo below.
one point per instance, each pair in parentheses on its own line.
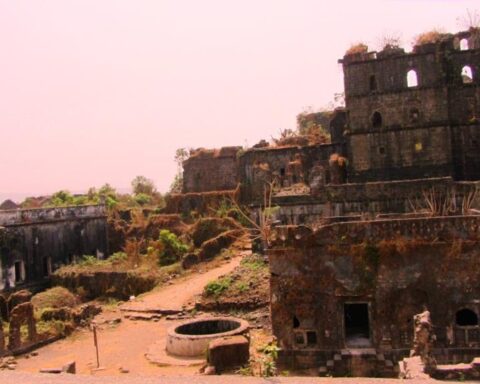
(464,45)
(412,79)
(467,74)
(466,317)
(377,119)
(373,83)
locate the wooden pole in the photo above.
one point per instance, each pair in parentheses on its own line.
(95,341)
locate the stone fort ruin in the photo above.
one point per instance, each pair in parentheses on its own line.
(35,242)
(370,228)
(376,224)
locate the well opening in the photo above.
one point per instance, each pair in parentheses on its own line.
(192,337)
(207,327)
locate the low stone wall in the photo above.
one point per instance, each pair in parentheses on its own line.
(39,215)
(120,285)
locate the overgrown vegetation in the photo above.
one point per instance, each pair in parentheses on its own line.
(173,248)
(268,362)
(429,37)
(244,288)
(357,48)
(217,287)
(144,193)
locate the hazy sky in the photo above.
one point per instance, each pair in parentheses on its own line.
(95,91)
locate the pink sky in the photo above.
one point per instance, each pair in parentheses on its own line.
(95,91)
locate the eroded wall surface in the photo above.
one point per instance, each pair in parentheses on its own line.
(393,266)
(428,127)
(33,243)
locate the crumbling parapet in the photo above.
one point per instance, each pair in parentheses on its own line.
(21,314)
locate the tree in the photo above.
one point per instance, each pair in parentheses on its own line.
(471,20)
(141,184)
(61,198)
(181,154)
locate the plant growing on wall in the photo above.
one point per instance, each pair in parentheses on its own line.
(261,228)
(445,202)
(356,49)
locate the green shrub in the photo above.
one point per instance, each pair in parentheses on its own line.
(173,248)
(142,199)
(216,287)
(254,262)
(118,257)
(90,261)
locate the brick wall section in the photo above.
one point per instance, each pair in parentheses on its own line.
(211,170)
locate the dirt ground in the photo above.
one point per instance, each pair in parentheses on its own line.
(27,378)
(122,345)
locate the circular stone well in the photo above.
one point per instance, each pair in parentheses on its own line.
(191,338)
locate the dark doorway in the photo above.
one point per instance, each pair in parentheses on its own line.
(377,120)
(18,272)
(373,83)
(357,325)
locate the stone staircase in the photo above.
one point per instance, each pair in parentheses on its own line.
(361,362)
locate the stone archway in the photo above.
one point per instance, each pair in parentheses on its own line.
(21,314)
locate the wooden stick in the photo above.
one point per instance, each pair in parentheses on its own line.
(95,342)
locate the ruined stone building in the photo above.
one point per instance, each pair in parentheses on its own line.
(35,242)
(379,222)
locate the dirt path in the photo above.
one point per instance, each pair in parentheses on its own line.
(125,344)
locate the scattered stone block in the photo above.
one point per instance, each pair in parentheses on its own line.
(143,316)
(70,367)
(189,261)
(228,352)
(86,312)
(209,370)
(51,370)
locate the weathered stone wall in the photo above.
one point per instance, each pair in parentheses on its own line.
(393,266)
(33,243)
(202,203)
(261,165)
(211,170)
(41,215)
(344,201)
(401,132)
